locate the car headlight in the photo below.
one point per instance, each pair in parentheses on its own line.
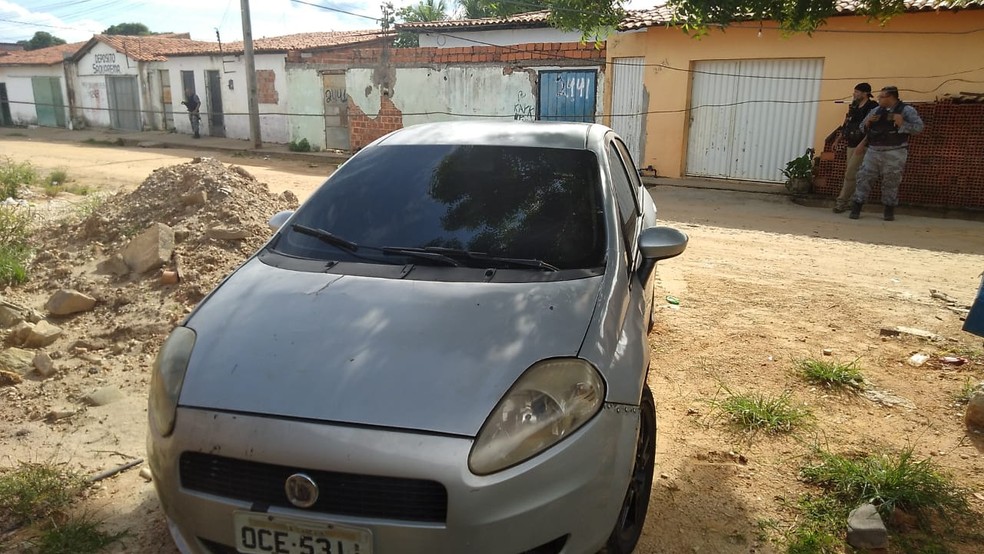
(167,376)
(551,400)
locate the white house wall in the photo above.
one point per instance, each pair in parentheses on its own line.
(92,95)
(20,91)
(306,104)
(235,107)
(450,93)
(501,37)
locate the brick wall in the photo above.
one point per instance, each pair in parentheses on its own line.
(266,87)
(558,53)
(364,129)
(945,166)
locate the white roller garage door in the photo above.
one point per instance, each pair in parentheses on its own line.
(749,117)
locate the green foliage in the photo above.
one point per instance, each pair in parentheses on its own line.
(14,175)
(76,536)
(801,167)
(299,146)
(966,391)
(423,11)
(130,29)
(698,16)
(13,264)
(15,226)
(832,374)
(34,491)
(889,481)
(58,177)
(40,40)
(758,412)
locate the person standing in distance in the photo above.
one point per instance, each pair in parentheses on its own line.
(192,102)
(887,129)
(853,134)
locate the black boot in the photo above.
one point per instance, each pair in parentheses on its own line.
(889,213)
(855,210)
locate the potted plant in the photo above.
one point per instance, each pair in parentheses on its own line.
(799,173)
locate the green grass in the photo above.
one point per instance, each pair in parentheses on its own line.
(77,536)
(58,177)
(758,412)
(34,491)
(14,176)
(966,391)
(13,264)
(832,374)
(889,481)
(15,250)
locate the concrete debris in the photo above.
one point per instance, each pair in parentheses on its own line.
(974,416)
(918,359)
(909,331)
(195,198)
(39,335)
(11,314)
(103,396)
(888,399)
(66,302)
(227,233)
(44,365)
(149,250)
(113,266)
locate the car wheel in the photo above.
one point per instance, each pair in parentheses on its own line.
(632,516)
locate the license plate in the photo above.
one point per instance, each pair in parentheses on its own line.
(273,534)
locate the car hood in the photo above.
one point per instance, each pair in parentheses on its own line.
(430,356)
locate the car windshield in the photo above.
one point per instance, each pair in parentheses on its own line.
(470,203)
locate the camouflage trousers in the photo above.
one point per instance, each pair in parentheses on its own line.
(887,164)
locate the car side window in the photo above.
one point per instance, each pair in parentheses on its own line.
(625,198)
(633,174)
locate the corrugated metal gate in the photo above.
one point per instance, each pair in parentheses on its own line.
(629,101)
(124,103)
(336,110)
(749,117)
(567,95)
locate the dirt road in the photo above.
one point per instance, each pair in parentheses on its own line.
(763,283)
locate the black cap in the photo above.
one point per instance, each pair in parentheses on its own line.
(863,87)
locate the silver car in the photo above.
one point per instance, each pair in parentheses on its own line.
(443,350)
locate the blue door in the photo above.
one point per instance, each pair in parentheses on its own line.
(567,95)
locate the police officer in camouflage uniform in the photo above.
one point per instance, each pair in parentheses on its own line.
(887,130)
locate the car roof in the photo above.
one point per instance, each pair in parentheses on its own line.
(497,133)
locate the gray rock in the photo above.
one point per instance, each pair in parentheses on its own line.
(113,266)
(65,302)
(11,314)
(103,396)
(974,416)
(42,334)
(865,528)
(227,233)
(19,332)
(43,365)
(150,249)
(886,398)
(17,360)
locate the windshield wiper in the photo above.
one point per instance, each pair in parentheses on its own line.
(483,257)
(418,253)
(326,236)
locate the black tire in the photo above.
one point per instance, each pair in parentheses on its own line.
(632,516)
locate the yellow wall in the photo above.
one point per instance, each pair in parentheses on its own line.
(921,65)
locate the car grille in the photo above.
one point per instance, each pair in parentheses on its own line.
(341,493)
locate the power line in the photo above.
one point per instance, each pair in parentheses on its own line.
(353,14)
(43,25)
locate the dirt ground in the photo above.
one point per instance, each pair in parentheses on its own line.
(763,283)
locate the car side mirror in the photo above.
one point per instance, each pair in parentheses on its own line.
(661,243)
(278,220)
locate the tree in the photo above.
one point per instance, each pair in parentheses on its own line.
(594,17)
(130,29)
(41,39)
(425,10)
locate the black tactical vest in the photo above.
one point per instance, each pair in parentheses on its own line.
(882,131)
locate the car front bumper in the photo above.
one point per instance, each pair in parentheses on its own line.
(574,489)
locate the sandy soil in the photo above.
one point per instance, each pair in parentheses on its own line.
(763,283)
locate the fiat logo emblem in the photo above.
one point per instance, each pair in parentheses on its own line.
(301,490)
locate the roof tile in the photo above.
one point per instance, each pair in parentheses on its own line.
(42,56)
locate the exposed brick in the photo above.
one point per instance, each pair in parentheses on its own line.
(944,168)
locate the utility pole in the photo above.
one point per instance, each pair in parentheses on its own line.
(251,92)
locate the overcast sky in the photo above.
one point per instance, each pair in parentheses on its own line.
(78,20)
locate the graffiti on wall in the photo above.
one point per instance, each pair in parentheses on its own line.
(106,64)
(336,96)
(523,110)
(575,87)
(94,91)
